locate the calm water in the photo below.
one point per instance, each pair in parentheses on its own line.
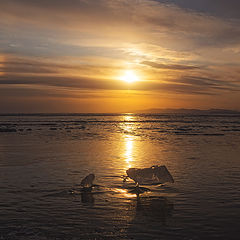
(43,159)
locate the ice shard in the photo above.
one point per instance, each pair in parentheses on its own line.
(87,182)
(152,175)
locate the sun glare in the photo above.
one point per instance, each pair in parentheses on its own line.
(129,77)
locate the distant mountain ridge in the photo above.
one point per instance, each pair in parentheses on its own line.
(189,111)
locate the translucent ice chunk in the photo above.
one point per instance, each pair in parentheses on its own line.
(152,175)
(87,182)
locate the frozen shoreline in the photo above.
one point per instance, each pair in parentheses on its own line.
(41,170)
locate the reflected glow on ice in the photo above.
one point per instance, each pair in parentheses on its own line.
(124,193)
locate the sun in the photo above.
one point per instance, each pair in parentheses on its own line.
(129,76)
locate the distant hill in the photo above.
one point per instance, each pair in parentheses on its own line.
(189,111)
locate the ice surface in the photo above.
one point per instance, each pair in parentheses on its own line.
(41,170)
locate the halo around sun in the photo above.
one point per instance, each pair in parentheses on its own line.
(129,76)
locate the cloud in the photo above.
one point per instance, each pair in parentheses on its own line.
(169,66)
(220,8)
(207,82)
(38,73)
(177,47)
(184,85)
(131,20)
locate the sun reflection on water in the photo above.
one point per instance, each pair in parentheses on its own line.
(128,128)
(129,151)
(129,117)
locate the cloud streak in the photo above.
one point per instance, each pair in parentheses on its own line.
(169,67)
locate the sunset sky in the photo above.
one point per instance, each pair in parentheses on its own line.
(77,55)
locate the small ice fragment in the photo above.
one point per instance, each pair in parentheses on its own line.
(87,182)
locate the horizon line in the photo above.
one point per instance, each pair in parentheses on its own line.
(147,111)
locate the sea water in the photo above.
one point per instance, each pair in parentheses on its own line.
(44,157)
